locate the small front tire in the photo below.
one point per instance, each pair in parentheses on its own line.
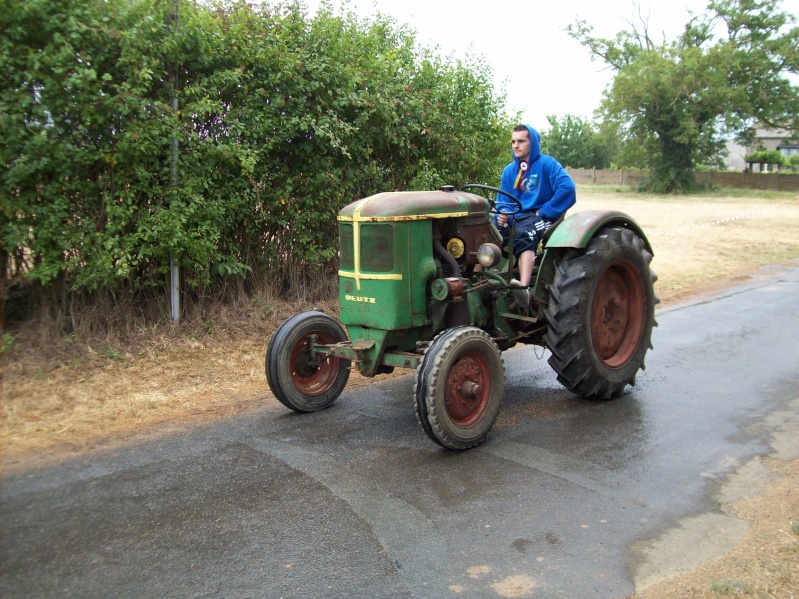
(300,378)
(459,387)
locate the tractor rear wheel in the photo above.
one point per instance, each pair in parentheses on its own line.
(301,379)
(600,314)
(459,387)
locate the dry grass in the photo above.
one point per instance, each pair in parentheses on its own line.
(113,389)
(79,394)
(75,393)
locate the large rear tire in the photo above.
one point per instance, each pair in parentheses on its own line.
(301,379)
(459,387)
(600,314)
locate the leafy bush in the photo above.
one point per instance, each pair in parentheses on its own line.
(769,158)
(281,120)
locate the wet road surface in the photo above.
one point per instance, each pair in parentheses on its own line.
(567,497)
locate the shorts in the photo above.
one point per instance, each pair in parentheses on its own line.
(530,229)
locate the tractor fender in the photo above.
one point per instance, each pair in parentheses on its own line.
(575,232)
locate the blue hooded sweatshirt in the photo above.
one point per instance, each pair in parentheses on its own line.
(546,186)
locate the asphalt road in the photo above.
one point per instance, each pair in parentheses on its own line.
(567,498)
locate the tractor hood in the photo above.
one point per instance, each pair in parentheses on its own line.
(414,205)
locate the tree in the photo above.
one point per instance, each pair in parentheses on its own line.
(728,71)
(624,148)
(575,143)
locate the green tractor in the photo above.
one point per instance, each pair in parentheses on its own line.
(424,284)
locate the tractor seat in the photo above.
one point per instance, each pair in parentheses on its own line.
(548,232)
(539,251)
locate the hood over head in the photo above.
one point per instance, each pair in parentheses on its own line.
(535,144)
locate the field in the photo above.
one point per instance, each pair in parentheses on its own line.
(76,397)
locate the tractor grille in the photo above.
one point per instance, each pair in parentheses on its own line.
(376,247)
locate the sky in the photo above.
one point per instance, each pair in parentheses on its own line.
(544,71)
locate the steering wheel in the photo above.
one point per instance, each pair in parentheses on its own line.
(493,209)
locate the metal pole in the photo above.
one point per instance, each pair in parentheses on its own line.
(174,287)
(174,267)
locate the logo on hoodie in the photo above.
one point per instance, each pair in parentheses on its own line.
(530,183)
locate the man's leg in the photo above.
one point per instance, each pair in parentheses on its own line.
(526,260)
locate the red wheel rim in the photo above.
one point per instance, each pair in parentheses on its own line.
(618,314)
(312,376)
(467,390)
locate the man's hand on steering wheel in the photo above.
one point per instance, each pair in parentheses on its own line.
(502,219)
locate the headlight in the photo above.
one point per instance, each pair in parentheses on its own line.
(489,255)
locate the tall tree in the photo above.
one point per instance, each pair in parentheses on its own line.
(727,72)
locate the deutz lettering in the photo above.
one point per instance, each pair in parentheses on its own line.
(358,298)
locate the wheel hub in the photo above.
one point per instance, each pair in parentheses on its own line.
(466,396)
(310,373)
(618,315)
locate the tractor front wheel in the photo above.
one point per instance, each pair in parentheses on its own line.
(600,314)
(301,378)
(459,387)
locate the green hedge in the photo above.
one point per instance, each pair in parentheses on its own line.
(282,120)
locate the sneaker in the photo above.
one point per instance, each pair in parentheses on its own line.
(522,294)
